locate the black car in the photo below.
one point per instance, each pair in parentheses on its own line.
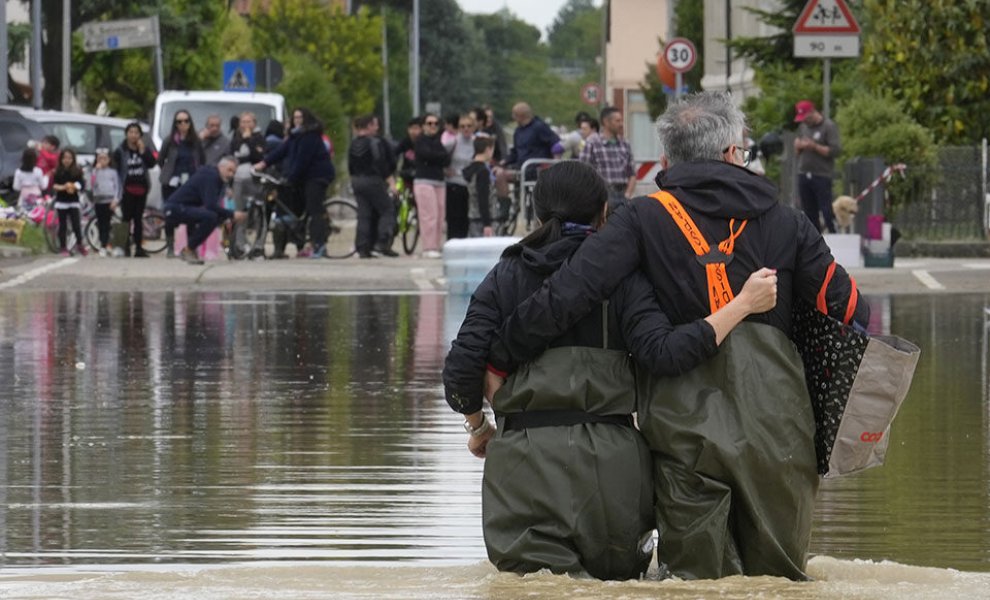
(15,133)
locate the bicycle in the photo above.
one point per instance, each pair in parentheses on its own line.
(255,229)
(407,218)
(49,224)
(153,226)
(341,218)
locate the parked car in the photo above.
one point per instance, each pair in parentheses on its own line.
(84,133)
(16,132)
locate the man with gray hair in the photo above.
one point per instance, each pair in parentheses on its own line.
(198,204)
(733,439)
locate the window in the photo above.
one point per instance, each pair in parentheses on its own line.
(14,136)
(81,137)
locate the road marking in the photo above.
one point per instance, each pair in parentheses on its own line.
(927,280)
(978,266)
(26,277)
(420,279)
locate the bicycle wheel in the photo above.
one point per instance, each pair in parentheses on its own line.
(91,231)
(153,231)
(256,230)
(410,233)
(342,219)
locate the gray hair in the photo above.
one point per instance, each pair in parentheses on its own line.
(227,158)
(700,127)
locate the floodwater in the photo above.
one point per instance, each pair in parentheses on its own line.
(297,445)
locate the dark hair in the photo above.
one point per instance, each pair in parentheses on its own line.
(29,159)
(235,123)
(415,121)
(134,125)
(482,143)
(192,138)
(452,119)
(592,122)
(53,140)
(481,117)
(275,127)
(581,116)
(569,191)
(607,112)
(363,121)
(73,171)
(310,122)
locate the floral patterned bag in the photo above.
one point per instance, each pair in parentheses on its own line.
(857,383)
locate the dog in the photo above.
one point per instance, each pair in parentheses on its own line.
(845,209)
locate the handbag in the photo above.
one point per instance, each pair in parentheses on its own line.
(857,383)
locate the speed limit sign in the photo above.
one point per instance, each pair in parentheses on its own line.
(680,54)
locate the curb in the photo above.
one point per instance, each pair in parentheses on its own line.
(928,249)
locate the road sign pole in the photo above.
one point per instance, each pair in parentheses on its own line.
(678,85)
(826,86)
(159,66)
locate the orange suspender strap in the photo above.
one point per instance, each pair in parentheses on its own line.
(853,295)
(719,290)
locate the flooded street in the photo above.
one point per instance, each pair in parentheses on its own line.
(297,445)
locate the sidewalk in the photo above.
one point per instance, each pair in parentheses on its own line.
(406,274)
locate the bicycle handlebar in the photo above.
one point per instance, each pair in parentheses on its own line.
(268,178)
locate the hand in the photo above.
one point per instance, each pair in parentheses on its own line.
(492,384)
(478,445)
(259,166)
(760,291)
(140,146)
(239,216)
(114,205)
(487,231)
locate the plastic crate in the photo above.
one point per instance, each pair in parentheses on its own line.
(883,259)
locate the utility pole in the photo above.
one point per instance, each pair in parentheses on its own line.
(414,60)
(386,111)
(66,55)
(35,54)
(4,84)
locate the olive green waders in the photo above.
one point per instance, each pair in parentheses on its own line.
(571,498)
(734,459)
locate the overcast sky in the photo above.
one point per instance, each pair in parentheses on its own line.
(538,12)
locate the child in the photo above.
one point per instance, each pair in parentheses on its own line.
(133,162)
(67,183)
(48,157)
(106,193)
(480,191)
(30,181)
(568,478)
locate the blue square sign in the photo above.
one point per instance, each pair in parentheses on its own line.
(238,76)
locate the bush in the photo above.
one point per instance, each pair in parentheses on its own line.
(877,125)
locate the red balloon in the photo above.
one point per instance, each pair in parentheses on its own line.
(667,75)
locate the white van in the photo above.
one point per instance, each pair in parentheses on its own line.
(201,104)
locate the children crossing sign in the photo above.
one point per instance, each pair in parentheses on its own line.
(826,29)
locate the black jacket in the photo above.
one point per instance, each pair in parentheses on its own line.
(204,189)
(636,323)
(431,157)
(370,156)
(306,157)
(642,235)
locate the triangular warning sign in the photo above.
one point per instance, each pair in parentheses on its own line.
(238,81)
(826,16)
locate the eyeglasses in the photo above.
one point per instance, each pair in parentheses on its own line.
(180,121)
(747,154)
(429,123)
(465,126)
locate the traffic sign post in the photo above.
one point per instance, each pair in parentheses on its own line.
(826,29)
(123,34)
(591,93)
(681,56)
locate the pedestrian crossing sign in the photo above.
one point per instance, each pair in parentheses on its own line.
(238,76)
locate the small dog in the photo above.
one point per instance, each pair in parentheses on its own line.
(845,209)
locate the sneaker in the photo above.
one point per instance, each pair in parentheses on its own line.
(257,254)
(386,252)
(140,253)
(65,253)
(366,254)
(189,255)
(304,252)
(82,250)
(320,252)
(103,252)
(432,254)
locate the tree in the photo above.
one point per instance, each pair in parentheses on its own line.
(346,47)
(575,37)
(454,67)
(690,24)
(934,56)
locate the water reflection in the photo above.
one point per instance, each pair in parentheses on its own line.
(205,427)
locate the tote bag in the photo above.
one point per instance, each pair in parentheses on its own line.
(857,383)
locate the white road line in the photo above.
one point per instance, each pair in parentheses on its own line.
(420,279)
(26,277)
(977,266)
(927,280)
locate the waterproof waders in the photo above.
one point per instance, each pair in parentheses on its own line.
(733,444)
(568,479)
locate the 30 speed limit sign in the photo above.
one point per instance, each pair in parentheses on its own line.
(680,54)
